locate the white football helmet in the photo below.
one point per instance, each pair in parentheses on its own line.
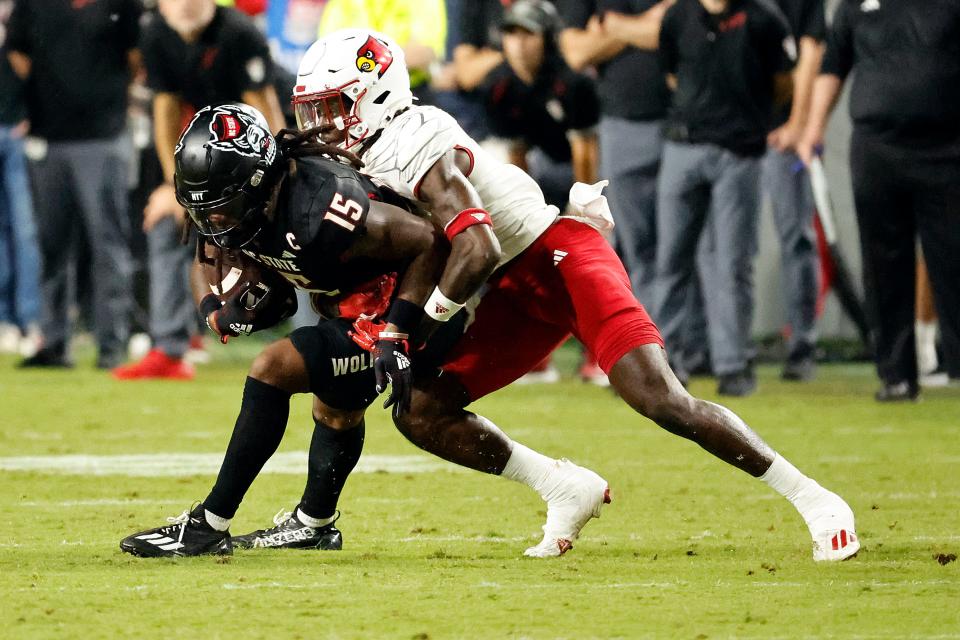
(355,79)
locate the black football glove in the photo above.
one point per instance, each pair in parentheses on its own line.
(391,365)
(255,307)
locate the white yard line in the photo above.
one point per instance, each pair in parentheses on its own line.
(191,464)
(101,502)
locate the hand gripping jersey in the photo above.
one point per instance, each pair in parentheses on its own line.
(321,211)
(414,141)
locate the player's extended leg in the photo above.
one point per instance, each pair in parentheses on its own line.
(276,374)
(645,381)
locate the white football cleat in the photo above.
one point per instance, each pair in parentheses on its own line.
(832,528)
(577,496)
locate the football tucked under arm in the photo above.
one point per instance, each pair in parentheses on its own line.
(238,296)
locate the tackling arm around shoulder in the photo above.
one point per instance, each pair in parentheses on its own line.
(394,234)
(456,208)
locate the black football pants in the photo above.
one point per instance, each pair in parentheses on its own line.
(900,192)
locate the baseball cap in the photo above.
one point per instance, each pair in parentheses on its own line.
(536,16)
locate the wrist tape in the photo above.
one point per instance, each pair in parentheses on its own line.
(440,307)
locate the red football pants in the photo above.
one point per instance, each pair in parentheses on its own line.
(568,281)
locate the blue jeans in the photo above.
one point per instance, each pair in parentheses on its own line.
(19,255)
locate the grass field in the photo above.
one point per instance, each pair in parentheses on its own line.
(689,548)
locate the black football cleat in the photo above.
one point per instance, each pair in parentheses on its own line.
(188,534)
(290,533)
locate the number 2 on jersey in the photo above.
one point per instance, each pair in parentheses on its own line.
(345,213)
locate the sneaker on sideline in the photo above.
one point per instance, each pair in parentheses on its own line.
(156,365)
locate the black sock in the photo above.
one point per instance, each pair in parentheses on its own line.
(333,455)
(256,436)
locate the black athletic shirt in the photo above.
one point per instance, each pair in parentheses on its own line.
(906,54)
(541,114)
(230,57)
(725,66)
(77,89)
(631,84)
(321,211)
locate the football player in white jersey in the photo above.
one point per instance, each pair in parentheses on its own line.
(555,275)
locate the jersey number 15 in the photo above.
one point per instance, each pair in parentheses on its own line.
(345,213)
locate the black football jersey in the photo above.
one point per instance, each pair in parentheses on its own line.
(321,211)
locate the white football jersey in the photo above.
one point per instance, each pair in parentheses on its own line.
(414,141)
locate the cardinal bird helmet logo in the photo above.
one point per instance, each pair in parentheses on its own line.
(374,55)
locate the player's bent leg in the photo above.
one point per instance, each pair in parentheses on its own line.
(275,375)
(438,423)
(334,451)
(644,380)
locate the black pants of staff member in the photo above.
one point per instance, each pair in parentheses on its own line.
(900,192)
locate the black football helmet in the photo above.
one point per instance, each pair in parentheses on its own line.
(226,161)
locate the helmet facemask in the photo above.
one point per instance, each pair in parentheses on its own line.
(353,81)
(332,110)
(231,223)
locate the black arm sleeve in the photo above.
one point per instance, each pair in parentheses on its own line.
(157,65)
(128,19)
(472,24)
(576,13)
(812,21)
(583,105)
(251,57)
(669,53)
(839,57)
(18,28)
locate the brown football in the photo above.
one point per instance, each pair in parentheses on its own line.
(235,272)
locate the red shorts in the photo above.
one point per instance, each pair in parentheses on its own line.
(569,281)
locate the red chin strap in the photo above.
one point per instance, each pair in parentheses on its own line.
(464,220)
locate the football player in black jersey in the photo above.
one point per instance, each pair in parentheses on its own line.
(327,229)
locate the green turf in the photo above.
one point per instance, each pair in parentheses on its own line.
(689,548)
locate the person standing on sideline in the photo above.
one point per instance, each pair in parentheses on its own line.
(548,115)
(789,189)
(77,60)
(728,59)
(620,38)
(196,54)
(905,166)
(19,256)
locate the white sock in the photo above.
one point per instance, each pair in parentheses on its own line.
(314,523)
(926,338)
(530,468)
(802,492)
(215,521)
